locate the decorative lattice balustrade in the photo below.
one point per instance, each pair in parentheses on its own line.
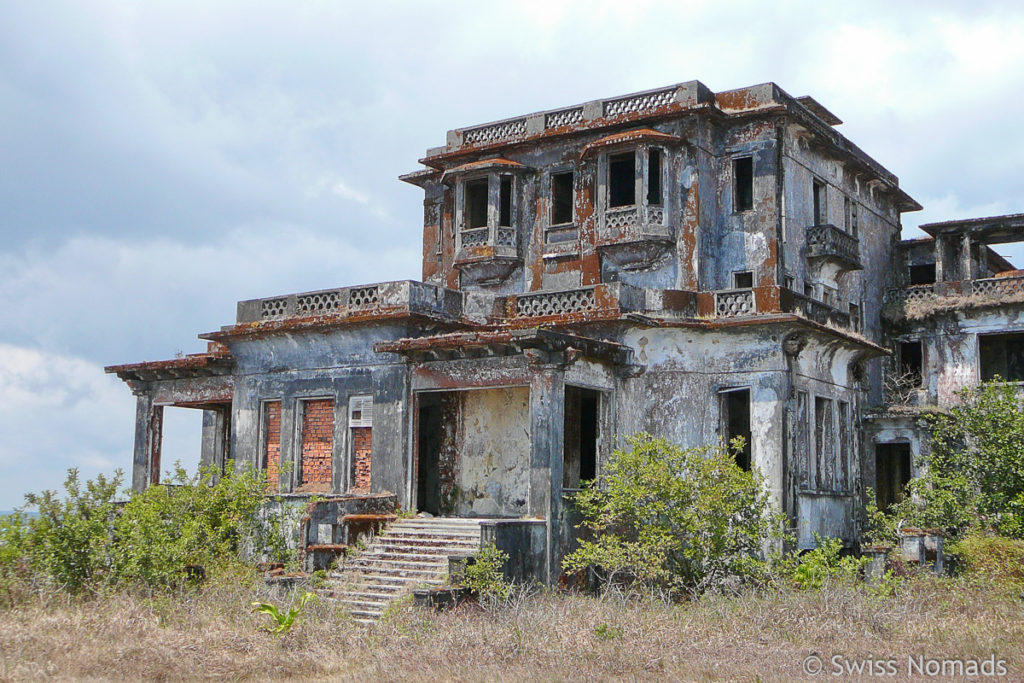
(272,309)
(948,295)
(555,303)
(495,132)
(474,238)
(735,302)
(998,286)
(828,241)
(362,298)
(566,117)
(318,303)
(656,215)
(638,103)
(506,237)
(621,219)
(383,297)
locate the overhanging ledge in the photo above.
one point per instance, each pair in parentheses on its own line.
(503,343)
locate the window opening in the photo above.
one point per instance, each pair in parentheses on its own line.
(735,411)
(505,202)
(743,279)
(622,180)
(476,203)
(582,428)
(654,177)
(1002,355)
(923,274)
(743,192)
(911,361)
(892,473)
(561,198)
(820,210)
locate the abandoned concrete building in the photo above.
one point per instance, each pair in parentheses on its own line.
(692,264)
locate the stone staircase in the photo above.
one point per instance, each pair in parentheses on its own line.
(408,554)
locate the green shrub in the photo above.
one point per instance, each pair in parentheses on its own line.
(161,537)
(485,577)
(824,563)
(71,541)
(680,519)
(991,558)
(192,522)
(973,476)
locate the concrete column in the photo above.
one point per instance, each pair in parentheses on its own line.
(216,437)
(547,415)
(148,438)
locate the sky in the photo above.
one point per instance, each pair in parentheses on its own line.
(161,160)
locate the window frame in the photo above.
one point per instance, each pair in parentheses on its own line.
(495,181)
(749,204)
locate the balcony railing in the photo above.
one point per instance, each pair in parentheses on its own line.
(820,312)
(735,302)
(596,300)
(382,297)
(948,295)
(826,241)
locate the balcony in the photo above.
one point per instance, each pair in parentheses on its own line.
(828,244)
(586,303)
(919,301)
(817,311)
(380,299)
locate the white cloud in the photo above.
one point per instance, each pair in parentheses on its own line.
(58,411)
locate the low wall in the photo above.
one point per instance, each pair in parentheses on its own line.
(525,541)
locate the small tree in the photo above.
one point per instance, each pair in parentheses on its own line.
(683,519)
(974,475)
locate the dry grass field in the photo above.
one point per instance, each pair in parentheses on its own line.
(543,636)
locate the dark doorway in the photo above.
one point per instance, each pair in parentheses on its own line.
(892,472)
(735,405)
(582,425)
(428,491)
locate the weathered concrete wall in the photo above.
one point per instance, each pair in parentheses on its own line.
(494,452)
(335,364)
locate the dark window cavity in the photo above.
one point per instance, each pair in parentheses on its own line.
(735,411)
(743,180)
(923,274)
(476,203)
(561,198)
(1002,356)
(654,177)
(622,180)
(911,361)
(580,436)
(818,197)
(505,202)
(743,279)
(892,472)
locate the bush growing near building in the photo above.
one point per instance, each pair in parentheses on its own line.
(160,538)
(167,532)
(973,478)
(992,558)
(484,576)
(687,520)
(825,562)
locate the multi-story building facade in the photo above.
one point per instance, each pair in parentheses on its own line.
(692,264)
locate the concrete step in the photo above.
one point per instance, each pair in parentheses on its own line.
(407,554)
(427,541)
(397,554)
